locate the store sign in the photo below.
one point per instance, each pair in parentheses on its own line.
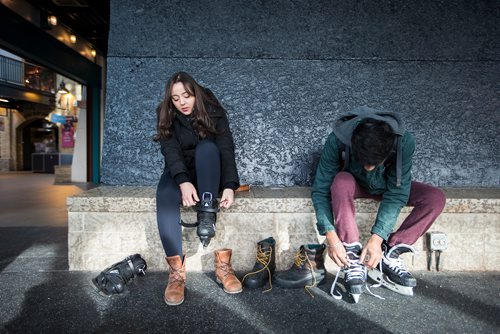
(68,140)
(58,118)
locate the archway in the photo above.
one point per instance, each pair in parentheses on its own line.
(35,135)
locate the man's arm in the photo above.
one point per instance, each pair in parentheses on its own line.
(328,167)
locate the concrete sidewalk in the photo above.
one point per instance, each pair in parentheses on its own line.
(40,295)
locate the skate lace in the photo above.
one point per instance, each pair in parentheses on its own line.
(355,270)
(263,258)
(396,265)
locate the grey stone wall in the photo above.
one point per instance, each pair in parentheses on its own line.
(285,70)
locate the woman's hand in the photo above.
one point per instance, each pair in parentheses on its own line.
(189,194)
(372,252)
(336,250)
(227,198)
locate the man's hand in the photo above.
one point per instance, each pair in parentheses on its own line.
(227,198)
(189,194)
(372,252)
(336,250)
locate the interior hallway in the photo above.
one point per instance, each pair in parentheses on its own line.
(32,199)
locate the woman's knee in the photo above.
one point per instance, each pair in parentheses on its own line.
(207,147)
(168,193)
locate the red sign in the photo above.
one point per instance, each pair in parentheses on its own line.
(67,138)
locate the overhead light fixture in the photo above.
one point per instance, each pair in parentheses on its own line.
(4,100)
(62,88)
(52,20)
(93,53)
(72,38)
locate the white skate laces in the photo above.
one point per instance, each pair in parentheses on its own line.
(356,270)
(397,266)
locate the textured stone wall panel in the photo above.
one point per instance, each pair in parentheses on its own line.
(286,69)
(297,29)
(281,111)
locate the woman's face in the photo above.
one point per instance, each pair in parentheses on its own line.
(182,100)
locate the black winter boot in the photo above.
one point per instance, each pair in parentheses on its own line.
(308,269)
(264,267)
(207,216)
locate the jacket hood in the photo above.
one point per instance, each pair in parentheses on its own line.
(346,124)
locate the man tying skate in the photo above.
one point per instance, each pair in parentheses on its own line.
(369,155)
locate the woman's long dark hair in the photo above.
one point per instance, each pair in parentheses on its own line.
(166,110)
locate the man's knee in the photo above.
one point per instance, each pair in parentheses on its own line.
(438,199)
(343,181)
(434,198)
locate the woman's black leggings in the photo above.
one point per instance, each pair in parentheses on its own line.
(205,177)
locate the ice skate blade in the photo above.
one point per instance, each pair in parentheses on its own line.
(381,278)
(355,296)
(205,241)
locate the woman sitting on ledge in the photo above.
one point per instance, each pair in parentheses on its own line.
(198,147)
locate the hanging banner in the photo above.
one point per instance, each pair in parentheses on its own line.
(67,132)
(67,138)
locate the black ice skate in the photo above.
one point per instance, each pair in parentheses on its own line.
(354,274)
(113,279)
(392,273)
(207,215)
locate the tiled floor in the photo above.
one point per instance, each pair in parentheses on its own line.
(32,199)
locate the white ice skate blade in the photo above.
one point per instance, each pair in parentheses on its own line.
(381,278)
(355,297)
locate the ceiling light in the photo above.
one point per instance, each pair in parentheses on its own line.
(72,38)
(52,20)
(93,53)
(4,100)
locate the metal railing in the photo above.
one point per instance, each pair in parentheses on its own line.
(27,75)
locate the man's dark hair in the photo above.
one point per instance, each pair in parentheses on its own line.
(372,142)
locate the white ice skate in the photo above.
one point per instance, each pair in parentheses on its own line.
(392,273)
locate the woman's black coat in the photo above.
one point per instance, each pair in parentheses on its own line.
(179,149)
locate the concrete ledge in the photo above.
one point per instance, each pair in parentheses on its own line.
(109,223)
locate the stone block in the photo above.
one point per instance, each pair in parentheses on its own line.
(99,235)
(62,174)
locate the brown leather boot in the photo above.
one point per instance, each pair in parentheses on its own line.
(174,292)
(224,272)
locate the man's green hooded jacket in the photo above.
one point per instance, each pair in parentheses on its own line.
(383,180)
